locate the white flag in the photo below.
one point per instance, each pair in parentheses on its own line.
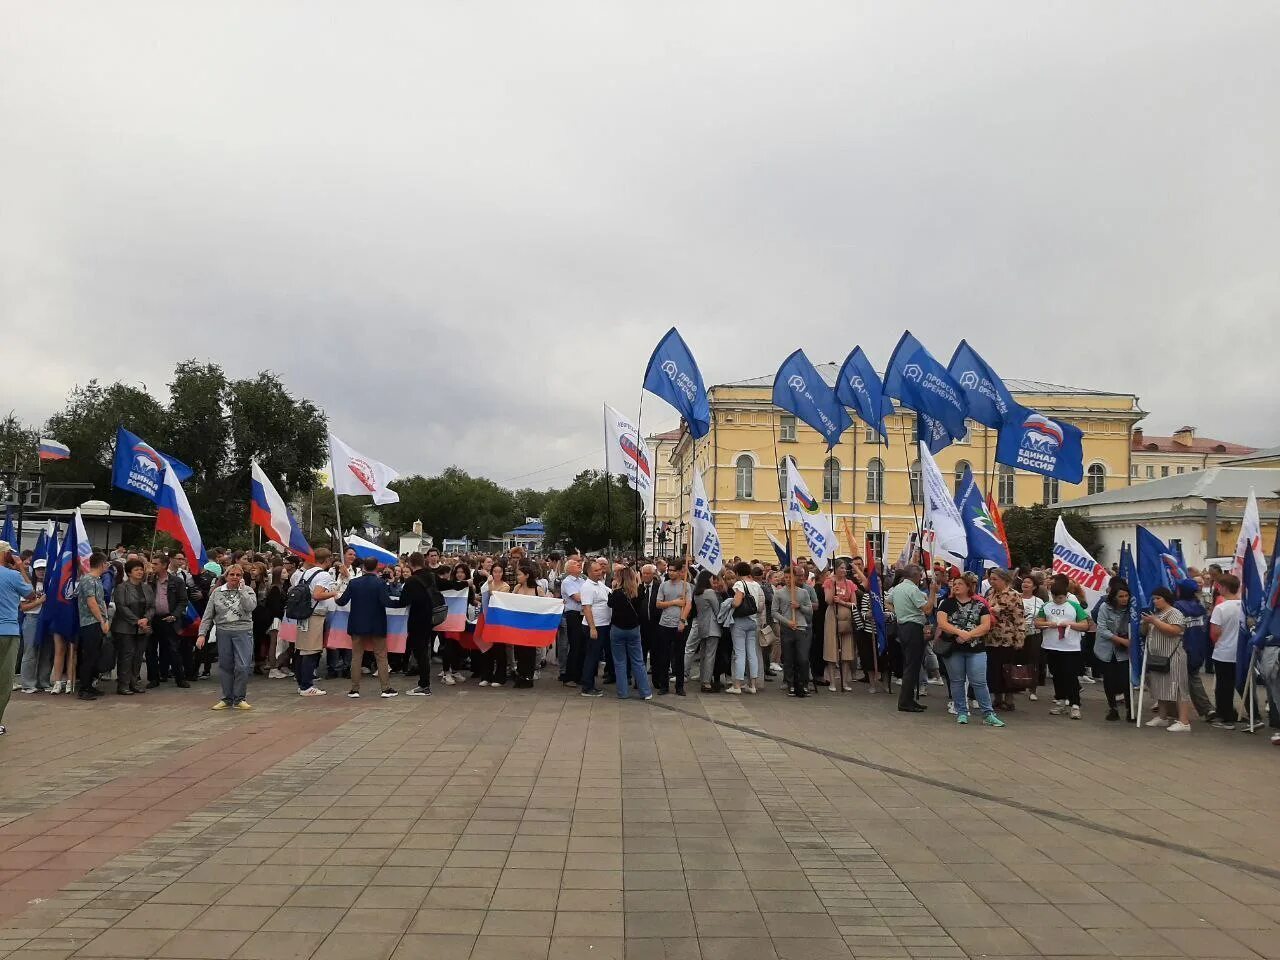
(1250,541)
(706,541)
(1071,558)
(806,511)
(356,475)
(625,452)
(941,515)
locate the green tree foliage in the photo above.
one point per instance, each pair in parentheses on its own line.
(454,504)
(17,445)
(579,516)
(1030,532)
(315,514)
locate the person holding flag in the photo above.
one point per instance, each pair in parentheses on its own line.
(91,604)
(15,589)
(793,613)
(1166,661)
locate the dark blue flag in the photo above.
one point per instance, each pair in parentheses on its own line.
(1244,649)
(1138,602)
(989,399)
(984,540)
(138,467)
(674,376)
(916,378)
(784,553)
(877,607)
(1030,441)
(61,574)
(1157,566)
(6,531)
(1268,625)
(798,388)
(858,387)
(42,542)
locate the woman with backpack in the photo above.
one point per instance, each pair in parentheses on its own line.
(308,602)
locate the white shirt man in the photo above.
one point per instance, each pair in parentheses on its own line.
(597,617)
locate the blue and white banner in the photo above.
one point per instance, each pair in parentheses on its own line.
(673,375)
(916,378)
(805,510)
(985,544)
(625,452)
(1031,441)
(858,387)
(798,388)
(707,552)
(989,399)
(138,467)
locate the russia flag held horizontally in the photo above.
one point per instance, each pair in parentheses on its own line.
(521,620)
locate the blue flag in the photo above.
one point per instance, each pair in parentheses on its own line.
(1248,584)
(42,542)
(1268,625)
(674,376)
(61,574)
(139,468)
(798,388)
(858,387)
(6,531)
(984,540)
(1137,604)
(877,607)
(923,384)
(1030,441)
(1157,566)
(989,399)
(784,553)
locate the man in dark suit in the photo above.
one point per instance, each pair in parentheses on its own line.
(649,584)
(369,597)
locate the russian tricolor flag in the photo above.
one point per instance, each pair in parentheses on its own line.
(365,549)
(456,621)
(522,620)
(53,450)
(175,518)
(268,510)
(339,637)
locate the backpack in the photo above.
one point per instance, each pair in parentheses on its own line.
(298,602)
(748,606)
(439,609)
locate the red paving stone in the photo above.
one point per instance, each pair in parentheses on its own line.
(49,849)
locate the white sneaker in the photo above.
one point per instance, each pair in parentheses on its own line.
(312,692)
(1156,722)
(951,708)
(29,690)
(1075,713)
(59,686)
(775,668)
(1179,727)
(934,681)
(447,679)
(1058,709)
(277,674)
(1031,695)
(484,683)
(1087,679)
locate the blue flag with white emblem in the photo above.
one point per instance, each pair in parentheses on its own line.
(858,387)
(1031,441)
(979,526)
(139,467)
(674,376)
(915,377)
(1138,604)
(989,399)
(798,388)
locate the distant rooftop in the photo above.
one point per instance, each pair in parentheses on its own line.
(829,371)
(1219,483)
(1184,440)
(1270,453)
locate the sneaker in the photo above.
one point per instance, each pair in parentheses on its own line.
(1057,709)
(649,697)
(593,693)
(775,668)
(951,708)
(312,692)
(934,681)
(353,695)
(991,720)
(1222,725)
(1031,695)
(3,731)
(244,705)
(30,690)
(737,691)
(1075,713)
(277,674)
(420,692)
(484,683)
(388,693)
(1179,727)
(1156,722)
(1087,679)
(1275,737)
(221,705)
(59,686)
(962,718)
(448,680)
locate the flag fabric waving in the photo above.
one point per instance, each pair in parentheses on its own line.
(6,531)
(356,475)
(268,510)
(174,517)
(1253,596)
(48,619)
(1030,441)
(456,601)
(941,515)
(803,509)
(1249,544)
(138,467)
(876,590)
(799,389)
(783,552)
(60,615)
(673,375)
(49,449)
(916,378)
(625,452)
(858,387)
(993,509)
(1071,558)
(521,620)
(1138,603)
(707,552)
(365,549)
(1268,625)
(1157,566)
(989,399)
(979,527)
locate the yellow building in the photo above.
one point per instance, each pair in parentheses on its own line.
(865,480)
(1157,457)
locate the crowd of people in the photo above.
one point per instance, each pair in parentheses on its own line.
(644,627)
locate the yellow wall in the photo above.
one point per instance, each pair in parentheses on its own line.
(744,422)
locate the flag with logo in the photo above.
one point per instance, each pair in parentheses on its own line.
(673,375)
(989,399)
(985,545)
(1073,560)
(1138,603)
(805,510)
(941,515)
(799,389)
(920,382)
(1267,624)
(707,552)
(625,452)
(876,590)
(1157,564)
(1249,545)
(139,467)
(1031,441)
(858,386)
(356,475)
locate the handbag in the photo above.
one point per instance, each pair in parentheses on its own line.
(1157,663)
(944,646)
(765,636)
(1019,676)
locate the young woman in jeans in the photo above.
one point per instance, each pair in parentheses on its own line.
(624,637)
(745,630)
(965,621)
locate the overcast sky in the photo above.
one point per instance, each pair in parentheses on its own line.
(461,226)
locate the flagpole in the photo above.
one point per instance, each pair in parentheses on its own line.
(1249,689)
(777,468)
(853,492)
(653,475)
(608,500)
(986,461)
(906,450)
(337,510)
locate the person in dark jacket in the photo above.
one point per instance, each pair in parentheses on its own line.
(135,607)
(420,593)
(369,597)
(171,598)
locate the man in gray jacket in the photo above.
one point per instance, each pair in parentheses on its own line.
(793,615)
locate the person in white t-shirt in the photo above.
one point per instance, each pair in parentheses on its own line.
(310,633)
(1224,631)
(571,593)
(745,630)
(1063,622)
(594,594)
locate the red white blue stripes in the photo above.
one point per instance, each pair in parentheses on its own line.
(456,621)
(522,621)
(268,510)
(175,518)
(53,450)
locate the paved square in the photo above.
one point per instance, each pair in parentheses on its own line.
(537,825)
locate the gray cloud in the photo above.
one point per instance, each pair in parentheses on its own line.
(461,227)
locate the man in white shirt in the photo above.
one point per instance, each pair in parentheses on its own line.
(570,593)
(310,633)
(594,596)
(1224,631)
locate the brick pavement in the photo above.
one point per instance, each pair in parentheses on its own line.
(514,825)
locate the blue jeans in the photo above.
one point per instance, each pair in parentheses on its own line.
(745,646)
(235,660)
(627,652)
(971,667)
(594,649)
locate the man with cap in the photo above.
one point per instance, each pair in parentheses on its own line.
(15,588)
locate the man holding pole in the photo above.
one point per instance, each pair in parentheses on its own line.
(911,606)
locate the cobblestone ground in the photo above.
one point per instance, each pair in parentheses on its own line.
(537,825)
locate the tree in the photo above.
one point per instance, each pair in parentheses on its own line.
(454,504)
(1030,533)
(579,516)
(17,445)
(315,514)
(532,503)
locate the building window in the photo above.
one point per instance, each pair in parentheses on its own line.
(875,543)
(873,436)
(1151,473)
(831,480)
(961,467)
(746,477)
(1097,478)
(1050,491)
(1134,471)
(782,475)
(787,428)
(1182,469)
(1004,488)
(1164,471)
(875,481)
(915,483)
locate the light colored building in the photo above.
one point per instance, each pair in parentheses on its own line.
(1201,510)
(665,518)
(1157,457)
(1258,459)
(865,481)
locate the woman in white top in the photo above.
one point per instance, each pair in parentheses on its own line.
(745,630)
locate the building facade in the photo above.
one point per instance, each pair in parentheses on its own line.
(871,485)
(1157,457)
